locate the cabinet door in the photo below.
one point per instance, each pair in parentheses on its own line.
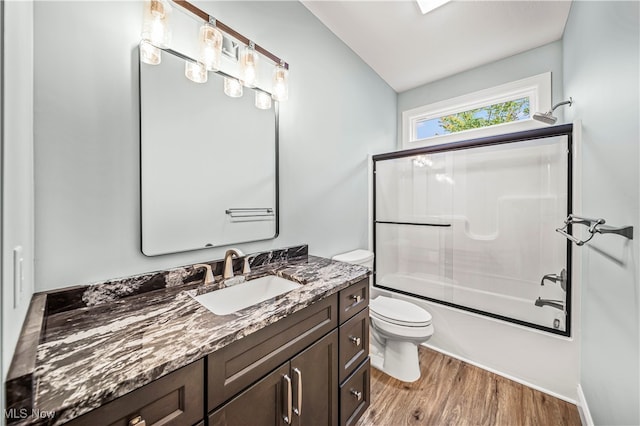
(314,373)
(263,404)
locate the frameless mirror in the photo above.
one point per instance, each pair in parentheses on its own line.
(209,168)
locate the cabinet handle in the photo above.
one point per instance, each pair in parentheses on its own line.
(356,298)
(287,417)
(137,421)
(356,394)
(355,340)
(298,409)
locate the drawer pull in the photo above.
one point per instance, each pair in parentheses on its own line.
(354,340)
(287,417)
(356,394)
(298,410)
(356,298)
(137,421)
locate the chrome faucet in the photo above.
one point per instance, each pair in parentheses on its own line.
(228,263)
(562,278)
(208,276)
(558,304)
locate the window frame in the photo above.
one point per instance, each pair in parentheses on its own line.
(537,88)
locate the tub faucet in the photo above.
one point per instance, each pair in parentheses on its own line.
(228,262)
(558,304)
(561,277)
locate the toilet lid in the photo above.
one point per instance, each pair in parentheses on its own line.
(399,312)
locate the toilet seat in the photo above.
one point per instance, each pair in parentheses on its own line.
(399,312)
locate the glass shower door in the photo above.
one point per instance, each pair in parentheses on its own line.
(474,229)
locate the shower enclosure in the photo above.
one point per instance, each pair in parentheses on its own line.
(472,225)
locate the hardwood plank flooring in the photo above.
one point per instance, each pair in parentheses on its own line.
(452,392)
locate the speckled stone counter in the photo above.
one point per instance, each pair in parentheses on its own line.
(115,339)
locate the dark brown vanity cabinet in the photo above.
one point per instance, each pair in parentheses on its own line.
(354,352)
(310,368)
(303,391)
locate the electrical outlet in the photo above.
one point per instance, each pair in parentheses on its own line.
(18,276)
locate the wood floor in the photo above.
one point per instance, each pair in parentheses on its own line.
(452,392)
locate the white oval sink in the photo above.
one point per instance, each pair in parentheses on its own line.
(240,296)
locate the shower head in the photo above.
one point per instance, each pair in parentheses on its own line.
(548,117)
(545,117)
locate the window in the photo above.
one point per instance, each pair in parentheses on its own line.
(500,109)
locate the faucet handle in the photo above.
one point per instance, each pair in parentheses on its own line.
(208,276)
(246,268)
(234,252)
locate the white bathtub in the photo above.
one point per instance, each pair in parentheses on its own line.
(520,307)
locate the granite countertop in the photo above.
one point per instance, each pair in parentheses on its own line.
(90,355)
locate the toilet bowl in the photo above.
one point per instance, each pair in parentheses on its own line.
(397,328)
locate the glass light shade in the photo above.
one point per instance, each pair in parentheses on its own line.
(149,54)
(155,25)
(263,100)
(210,47)
(280,83)
(195,72)
(248,66)
(232,87)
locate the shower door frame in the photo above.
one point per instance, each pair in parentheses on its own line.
(547,132)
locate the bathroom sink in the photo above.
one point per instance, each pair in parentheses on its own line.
(240,296)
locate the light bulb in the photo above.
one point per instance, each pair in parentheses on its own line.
(155,25)
(210,47)
(232,87)
(280,83)
(149,54)
(263,100)
(248,66)
(195,71)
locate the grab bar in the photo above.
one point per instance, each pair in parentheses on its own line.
(595,226)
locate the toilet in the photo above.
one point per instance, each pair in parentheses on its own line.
(397,328)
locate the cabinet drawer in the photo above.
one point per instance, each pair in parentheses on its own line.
(353,299)
(175,399)
(238,365)
(354,343)
(355,395)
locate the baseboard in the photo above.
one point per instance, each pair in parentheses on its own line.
(583,409)
(506,376)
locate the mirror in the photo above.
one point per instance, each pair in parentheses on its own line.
(209,167)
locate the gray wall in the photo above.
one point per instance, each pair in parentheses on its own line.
(17,170)
(523,65)
(601,69)
(87,148)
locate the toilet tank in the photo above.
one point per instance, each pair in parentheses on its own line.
(358,257)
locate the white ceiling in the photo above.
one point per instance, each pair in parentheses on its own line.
(408,49)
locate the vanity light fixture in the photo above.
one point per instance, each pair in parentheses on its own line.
(210,45)
(232,87)
(195,71)
(263,100)
(280,83)
(156,36)
(149,54)
(155,24)
(248,65)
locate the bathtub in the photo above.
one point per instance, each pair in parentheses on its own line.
(480,298)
